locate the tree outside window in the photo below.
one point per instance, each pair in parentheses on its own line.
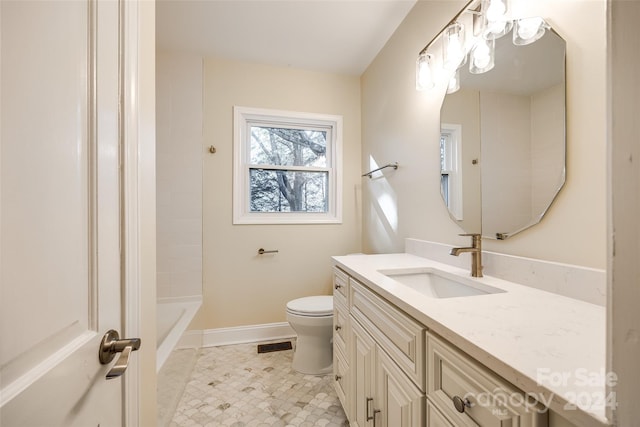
(287,167)
(275,188)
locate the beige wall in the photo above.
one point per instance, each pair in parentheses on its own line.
(547,149)
(505,129)
(240,287)
(401,124)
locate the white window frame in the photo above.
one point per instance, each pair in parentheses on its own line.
(454,134)
(243,117)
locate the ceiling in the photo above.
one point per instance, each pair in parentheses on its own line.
(340,36)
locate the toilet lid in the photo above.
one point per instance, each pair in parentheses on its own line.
(311,306)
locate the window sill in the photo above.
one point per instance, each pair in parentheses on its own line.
(286,218)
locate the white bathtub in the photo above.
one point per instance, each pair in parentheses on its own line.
(173,316)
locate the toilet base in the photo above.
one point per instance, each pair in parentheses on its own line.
(313,356)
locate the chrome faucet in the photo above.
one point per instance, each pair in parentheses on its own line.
(476,253)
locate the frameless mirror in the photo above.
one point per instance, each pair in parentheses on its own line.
(502,145)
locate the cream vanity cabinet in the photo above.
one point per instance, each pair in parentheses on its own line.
(391,372)
(383,383)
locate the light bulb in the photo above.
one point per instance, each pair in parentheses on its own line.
(528,30)
(496,10)
(454,46)
(454,54)
(496,27)
(496,18)
(424,77)
(482,56)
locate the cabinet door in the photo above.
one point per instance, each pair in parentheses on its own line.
(342,378)
(341,354)
(400,402)
(362,368)
(435,418)
(397,333)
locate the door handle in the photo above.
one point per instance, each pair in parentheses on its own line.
(112,344)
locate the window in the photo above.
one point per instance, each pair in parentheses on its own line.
(287,167)
(450,171)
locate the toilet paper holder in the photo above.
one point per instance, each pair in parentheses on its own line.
(261,251)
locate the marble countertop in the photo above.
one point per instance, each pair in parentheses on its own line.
(548,345)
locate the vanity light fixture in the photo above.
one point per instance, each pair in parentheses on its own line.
(454,54)
(424,73)
(528,30)
(486,21)
(482,56)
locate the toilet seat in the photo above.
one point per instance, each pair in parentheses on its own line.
(316,306)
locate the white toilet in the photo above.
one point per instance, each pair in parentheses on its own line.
(312,319)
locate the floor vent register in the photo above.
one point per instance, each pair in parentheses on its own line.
(275,346)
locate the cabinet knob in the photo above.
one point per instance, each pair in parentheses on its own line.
(338,377)
(461,404)
(337,286)
(338,327)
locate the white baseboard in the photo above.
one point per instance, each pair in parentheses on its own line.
(190,339)
(245,334)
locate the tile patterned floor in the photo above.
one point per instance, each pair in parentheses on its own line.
(237,387)
(172,381)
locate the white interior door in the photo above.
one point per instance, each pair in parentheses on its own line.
(60,211)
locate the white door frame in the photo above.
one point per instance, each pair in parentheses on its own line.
(623,210)
(129,186)
(138,216)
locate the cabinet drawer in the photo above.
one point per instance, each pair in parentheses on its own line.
(340,326)
(398,334)
(340,285)
(486,399)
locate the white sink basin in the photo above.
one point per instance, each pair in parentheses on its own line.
(439,284)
